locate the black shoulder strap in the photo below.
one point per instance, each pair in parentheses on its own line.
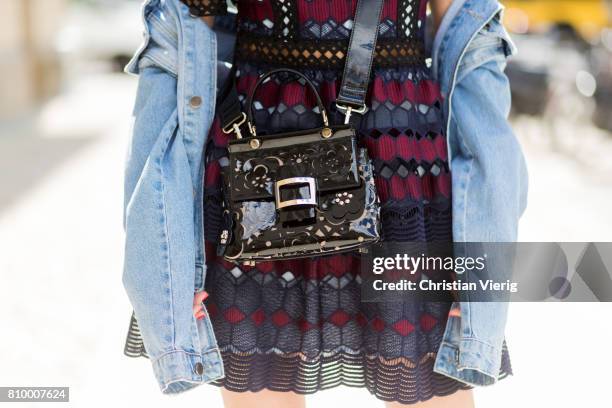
(229,109)
(355,78)
(359,58)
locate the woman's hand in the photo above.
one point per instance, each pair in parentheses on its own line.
(210,20)
(198,310)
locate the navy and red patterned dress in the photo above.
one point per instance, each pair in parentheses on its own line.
(299,325)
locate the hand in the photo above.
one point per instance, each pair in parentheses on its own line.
(198,310)
(210,20)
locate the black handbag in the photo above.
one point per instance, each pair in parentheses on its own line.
(305,192)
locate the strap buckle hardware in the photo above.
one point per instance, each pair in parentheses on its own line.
(348,109)
(234,126)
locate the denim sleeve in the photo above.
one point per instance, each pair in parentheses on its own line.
(487,161)
(489,195)
(159,264)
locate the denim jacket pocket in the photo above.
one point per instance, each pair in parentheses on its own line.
(160,40)
(491,43)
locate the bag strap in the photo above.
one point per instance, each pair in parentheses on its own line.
(355,77)
(359,58)
(262,78)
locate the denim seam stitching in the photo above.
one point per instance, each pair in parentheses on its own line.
(185,379)
(477,340)
(188,113)
(455,72)
(211,111)
(159,24)
(165,353)
(168,257)
(150,18)
(158,62)
(496,55)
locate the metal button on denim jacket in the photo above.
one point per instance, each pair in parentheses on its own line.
(164,254)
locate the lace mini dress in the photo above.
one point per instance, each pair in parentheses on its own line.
(300,325)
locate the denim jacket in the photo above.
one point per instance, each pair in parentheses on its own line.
(164,261)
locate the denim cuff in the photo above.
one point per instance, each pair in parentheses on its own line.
(179,370)
(472,362)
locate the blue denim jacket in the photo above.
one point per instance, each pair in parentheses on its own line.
(164,254)
(488,169)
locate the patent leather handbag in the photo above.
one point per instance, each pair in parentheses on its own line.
(304,192)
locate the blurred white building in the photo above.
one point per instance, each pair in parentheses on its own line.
(29,65)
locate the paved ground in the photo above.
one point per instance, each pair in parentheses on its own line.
(65,314)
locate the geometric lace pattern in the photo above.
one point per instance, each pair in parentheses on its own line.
(300,325)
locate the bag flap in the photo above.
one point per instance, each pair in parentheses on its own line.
(332,162)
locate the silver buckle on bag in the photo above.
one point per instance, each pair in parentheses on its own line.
(234,126)
(311,200)
(348,109)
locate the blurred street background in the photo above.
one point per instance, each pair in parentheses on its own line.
(65,117)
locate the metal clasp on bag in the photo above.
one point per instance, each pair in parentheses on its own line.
(311,200)
(234,126)
(348,109)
